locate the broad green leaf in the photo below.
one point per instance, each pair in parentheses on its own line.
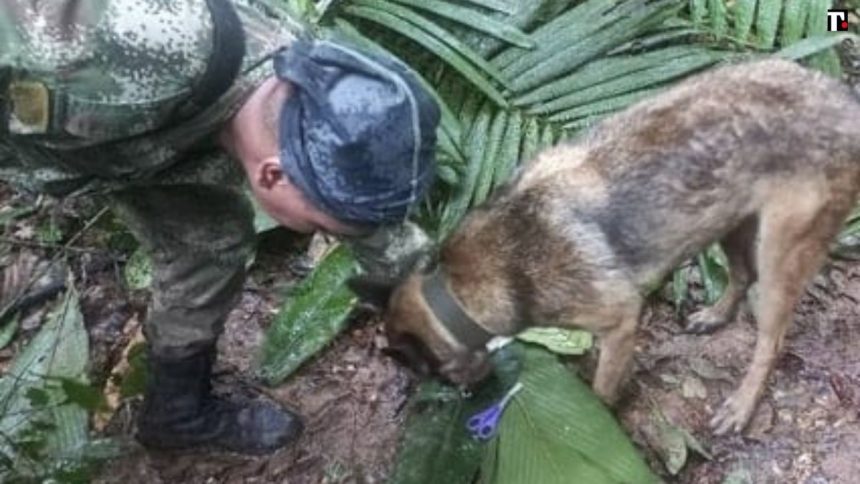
(473,19)
(433,38)
(490,464)
(767,22)
(559,340)
(557,431)
(310,318)
(59,350)
(138,270)
(436,446)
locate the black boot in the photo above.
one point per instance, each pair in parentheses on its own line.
(180,411)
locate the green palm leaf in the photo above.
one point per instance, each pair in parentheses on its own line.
(473,19)
(433,38)
(635,19)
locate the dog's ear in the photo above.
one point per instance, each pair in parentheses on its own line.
(371,291)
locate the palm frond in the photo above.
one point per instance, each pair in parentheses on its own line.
(435,39)
(768,25)
(473,19)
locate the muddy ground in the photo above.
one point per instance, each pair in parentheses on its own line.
(806,430)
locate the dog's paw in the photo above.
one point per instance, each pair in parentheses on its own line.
(733,415)
(706,321)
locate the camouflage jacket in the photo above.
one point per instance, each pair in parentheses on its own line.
(116,71)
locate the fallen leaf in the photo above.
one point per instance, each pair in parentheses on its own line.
(671,445)
(673,441)
(558,340)
(709,371)
(112,390)
(693,388)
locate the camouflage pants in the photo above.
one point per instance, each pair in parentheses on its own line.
(194,221)
(199,238)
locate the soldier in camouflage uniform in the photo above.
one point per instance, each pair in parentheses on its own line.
(173,109)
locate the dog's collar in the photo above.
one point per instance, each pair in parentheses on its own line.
(451,315)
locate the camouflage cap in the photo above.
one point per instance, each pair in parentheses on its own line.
(358,134)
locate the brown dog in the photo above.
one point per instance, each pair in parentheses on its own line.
(762,156)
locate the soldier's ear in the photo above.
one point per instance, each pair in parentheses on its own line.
(370,291)
(268,173)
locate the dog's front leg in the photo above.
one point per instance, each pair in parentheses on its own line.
(617,343)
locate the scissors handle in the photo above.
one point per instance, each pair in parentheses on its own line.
(475,423)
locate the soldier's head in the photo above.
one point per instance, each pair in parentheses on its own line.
(356,139)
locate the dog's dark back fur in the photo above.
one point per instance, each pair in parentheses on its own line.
(715,135)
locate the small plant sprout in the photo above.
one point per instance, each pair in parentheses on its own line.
(483,424)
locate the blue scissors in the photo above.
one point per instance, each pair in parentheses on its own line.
(483,425)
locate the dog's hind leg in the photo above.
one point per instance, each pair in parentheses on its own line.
(739,246)
(794,237)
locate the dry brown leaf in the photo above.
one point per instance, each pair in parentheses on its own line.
(122,367)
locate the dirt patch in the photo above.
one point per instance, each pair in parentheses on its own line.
(351,398)
(805,431)
(806,428)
